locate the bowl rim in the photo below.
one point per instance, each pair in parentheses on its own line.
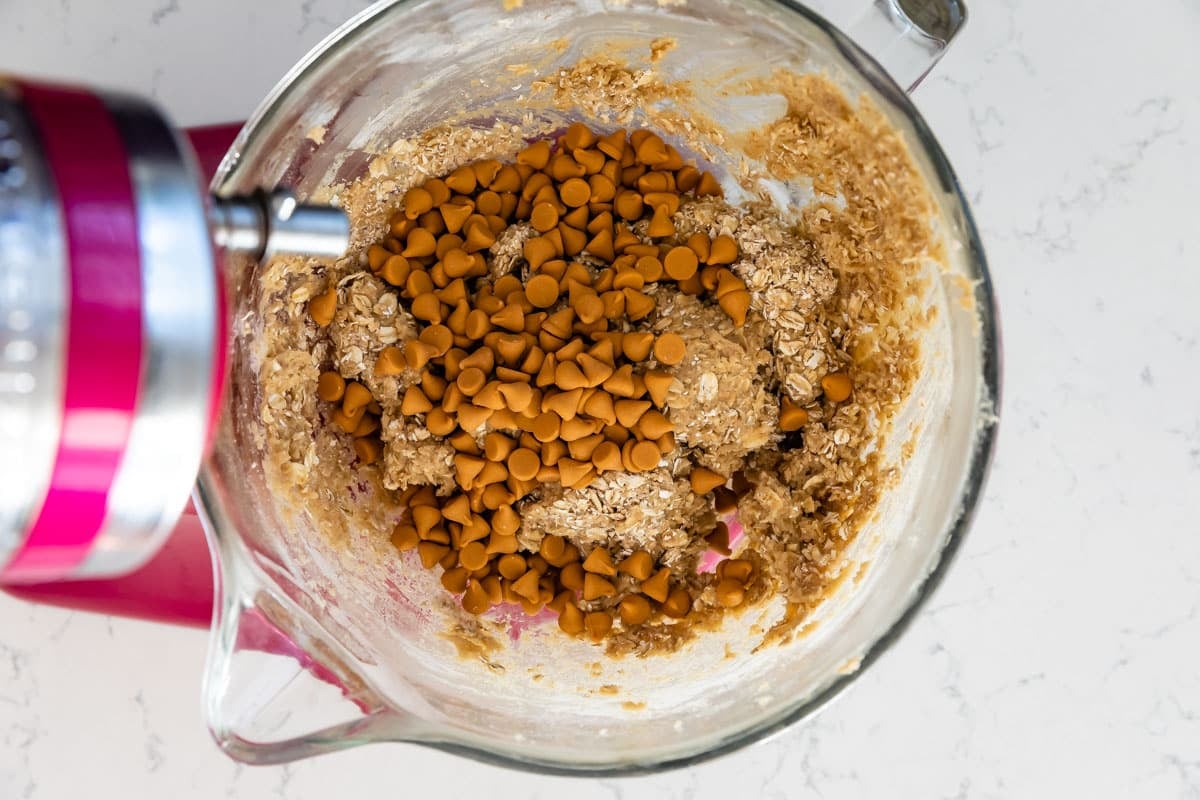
(987,406)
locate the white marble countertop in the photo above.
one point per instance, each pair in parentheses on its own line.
(1059,658)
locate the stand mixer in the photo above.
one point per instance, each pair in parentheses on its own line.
(113,336)
(120,278)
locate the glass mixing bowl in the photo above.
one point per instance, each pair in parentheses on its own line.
(317,649)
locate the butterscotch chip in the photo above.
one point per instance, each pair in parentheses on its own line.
(606,457)
(505,521)
(453,399)
(597,624)
(553,548)
(511,566)
(657,587)
(368,450)
(542,291)
(704,480)
(628,279)
(552,451)
(686,178)
(489,396)
(470,381)
(666,443)
(538,251)
(562,167)
(427,308)
(475,599)
(574,429)
(510,349)
(634,610)
(637,305)
(559,323)
(595,587)
(377,255)
(432,221)
(594,370)
(575,192)
(536,155)
(636,345)
(599,561)
(708,186)
(456,320)
(573,239)
(739,569)
(346,422)
(497,446)
(355,397)
(730,593)
(472,417)
(568,376)
(523,464)
(416,202)
(837,386)
(482,359)
(507,179)
(439,337)
(620,383)
(718,540)
(662,200)
(723,250)
(791,416)
(331,386)
(532,361)
(578,136)
(645,456)
(571,620)
(658,385)
(571,471)
(630,411)
(517,396)
(545,375)
(589,308)
(431,553)
(536,182)
(527,585)
(583,449)
(577,219)
(660,224)
(653,425)
(629,206)
(404,537)
(601,245)
(322,307)
(543,218)
(420,243)
(678,603)
(546,426)
(477,324)
(670,348)
(592,161)
(479,235)
(604,350)
(638,565)
(454,217)
(613,144)
(511,318)
(655,182)
(439,422)
(396,270)
(415,402)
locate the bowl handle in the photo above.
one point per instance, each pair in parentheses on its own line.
(908,37)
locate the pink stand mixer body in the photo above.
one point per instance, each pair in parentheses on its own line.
(113,344)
